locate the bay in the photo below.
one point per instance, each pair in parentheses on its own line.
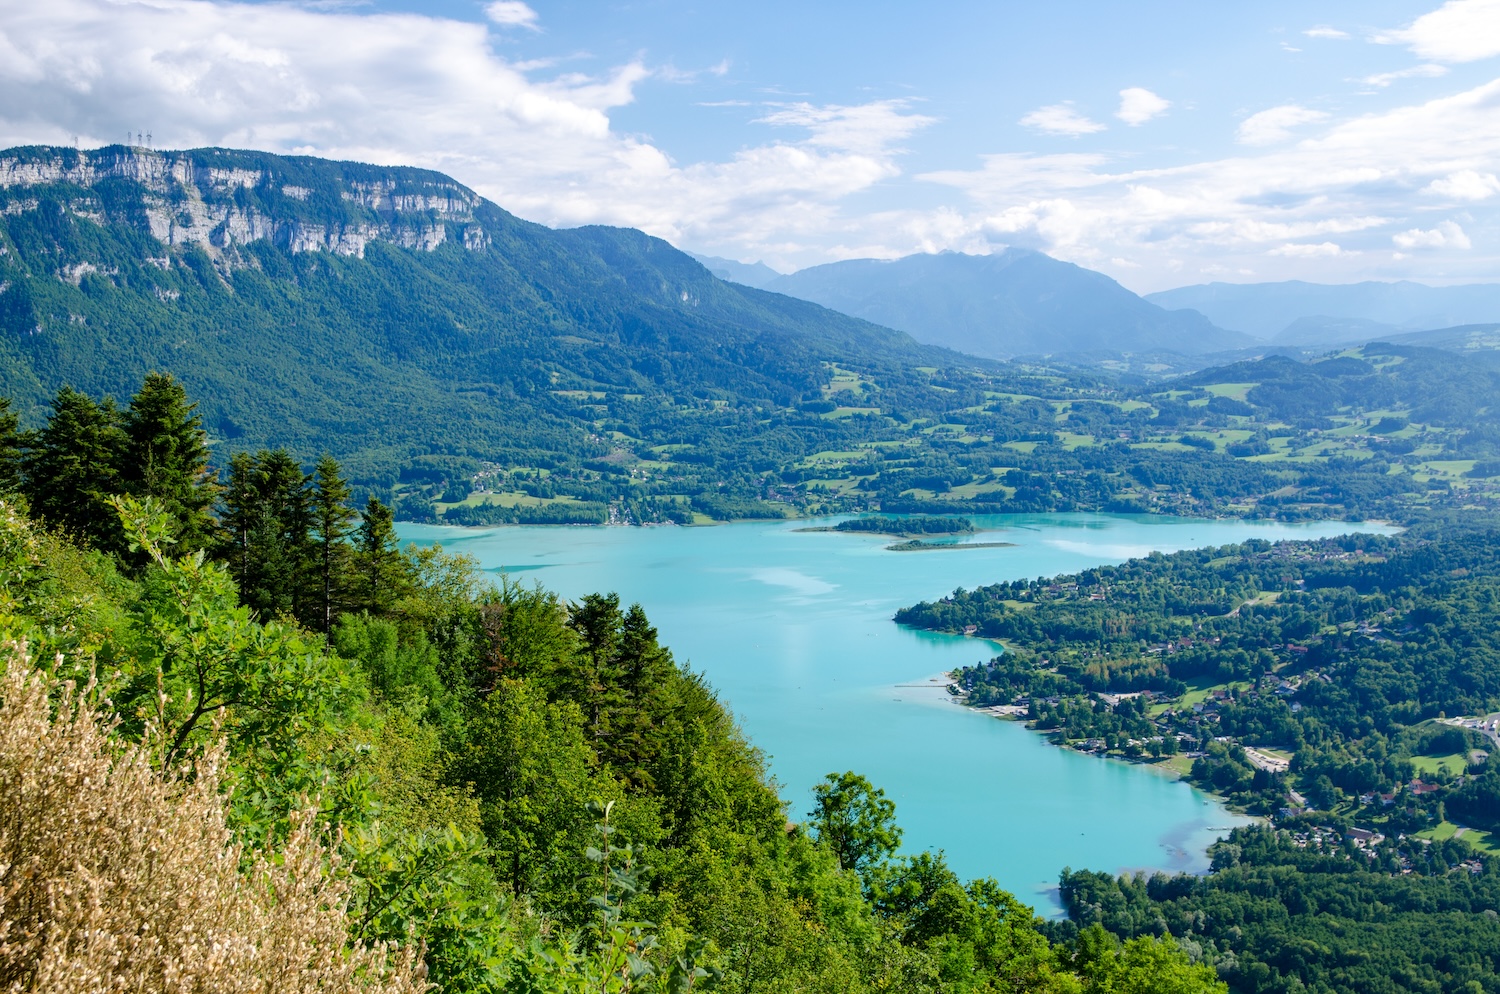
(793,628)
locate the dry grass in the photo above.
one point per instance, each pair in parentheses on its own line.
(114,877)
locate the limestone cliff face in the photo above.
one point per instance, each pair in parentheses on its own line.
(220,199)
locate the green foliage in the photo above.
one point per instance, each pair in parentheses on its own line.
(853,818)
(1286,912)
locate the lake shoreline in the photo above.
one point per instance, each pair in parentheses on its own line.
(794,633)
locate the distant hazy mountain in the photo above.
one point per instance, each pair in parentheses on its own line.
(756,274)
(1016,302)
(1465,338)
(1300,313)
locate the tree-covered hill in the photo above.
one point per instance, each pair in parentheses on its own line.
(377,313)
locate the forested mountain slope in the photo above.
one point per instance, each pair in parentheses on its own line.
(380,313)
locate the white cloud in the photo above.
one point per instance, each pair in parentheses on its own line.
(1137,106)
(1428,70)
(1350,186)
(1326,31)
(1061,119)
(511,14)
(1466,184)
(865,128)
(1305,251)
(1445,235)
(1458,31)
(1275,125)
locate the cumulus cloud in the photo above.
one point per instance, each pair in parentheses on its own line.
(1458,31)
(1137,106)
(1466,184)
(1061,119)
(1326,31)
(1428,70)
(1445,235)
(511,14)
(1269,127)
(867,128)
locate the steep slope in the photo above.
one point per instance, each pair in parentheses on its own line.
(383,312)
(1324,313)
(1016,302)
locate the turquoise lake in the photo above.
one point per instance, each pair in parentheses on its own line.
(794,630)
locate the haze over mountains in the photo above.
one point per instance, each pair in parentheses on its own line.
(1015,302)
(1298,313)
(1021,302)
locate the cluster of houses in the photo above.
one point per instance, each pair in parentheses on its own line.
(1322,838)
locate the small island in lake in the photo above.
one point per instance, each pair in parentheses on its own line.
(913,530)
(917,545)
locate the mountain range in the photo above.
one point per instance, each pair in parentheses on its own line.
(383,312)
(1015,302)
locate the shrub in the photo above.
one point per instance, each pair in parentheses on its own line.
(117,877)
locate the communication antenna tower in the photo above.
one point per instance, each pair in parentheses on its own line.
(148,140)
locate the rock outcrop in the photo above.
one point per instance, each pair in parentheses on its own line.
(220,199)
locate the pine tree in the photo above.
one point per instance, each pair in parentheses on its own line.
(241,511)
(12,448)
(73,469)
(332,518)
(166,457)
(380,563)
(268,515)
(284,539)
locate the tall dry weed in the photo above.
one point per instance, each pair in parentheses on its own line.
(115,877)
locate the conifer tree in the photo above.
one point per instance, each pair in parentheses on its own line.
(379,557)
(241,508)
(12,448)
(73,469)
(166,457)
(332,518)
(269,515)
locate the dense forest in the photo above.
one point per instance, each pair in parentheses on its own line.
(378,770)
(1342,687)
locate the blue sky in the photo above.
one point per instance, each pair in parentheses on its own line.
(1162,143)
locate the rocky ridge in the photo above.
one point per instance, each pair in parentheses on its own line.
(220,199)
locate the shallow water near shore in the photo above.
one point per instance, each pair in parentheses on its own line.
(793,628)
